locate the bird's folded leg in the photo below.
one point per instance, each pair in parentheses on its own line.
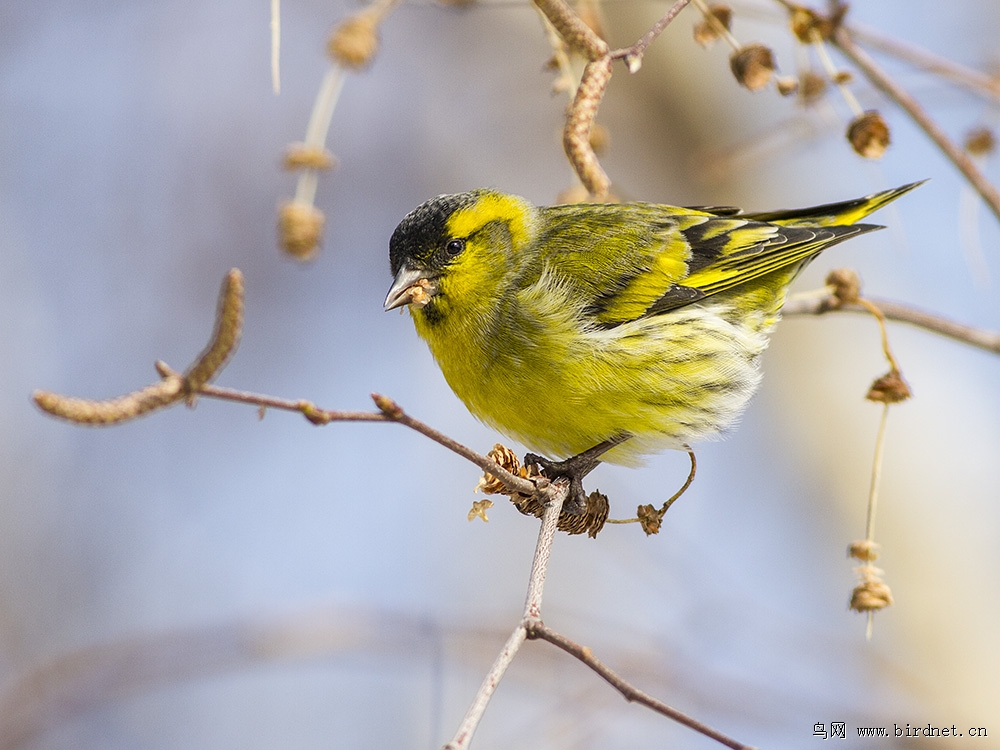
(575,468)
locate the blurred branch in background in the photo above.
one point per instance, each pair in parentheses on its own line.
(963,163)
(977,337)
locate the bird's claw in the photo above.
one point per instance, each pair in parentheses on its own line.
(575,468)
(576,498)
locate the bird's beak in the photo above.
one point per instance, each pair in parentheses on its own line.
(411,286)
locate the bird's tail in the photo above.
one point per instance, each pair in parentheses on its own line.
(834,214)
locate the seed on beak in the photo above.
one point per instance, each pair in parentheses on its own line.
(419,294)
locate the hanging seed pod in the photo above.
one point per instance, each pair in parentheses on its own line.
(869,134)
(753,66)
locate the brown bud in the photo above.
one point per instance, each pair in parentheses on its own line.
(842,77)
(313,413)
(869,134)
(650,518)
(354,42)
(753,66)
(707,31)
(810,26)
(301,156)
(812,86)
(300,228)
(787,85)
(872,593)
(803,22)
(387,406)
(846,285)
(980,141)
(863,550)
(889,389)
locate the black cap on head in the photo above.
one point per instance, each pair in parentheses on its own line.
(422,231)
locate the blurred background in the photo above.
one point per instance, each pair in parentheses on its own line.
(202,578)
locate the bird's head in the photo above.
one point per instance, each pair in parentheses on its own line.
(456,250)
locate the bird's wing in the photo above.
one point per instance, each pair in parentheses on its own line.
(726,257)
(618,259)
(633,260)
(830,214)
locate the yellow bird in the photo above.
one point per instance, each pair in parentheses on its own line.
(567,326)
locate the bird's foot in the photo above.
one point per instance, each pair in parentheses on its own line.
(575,468)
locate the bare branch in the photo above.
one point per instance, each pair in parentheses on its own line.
(389,411)
(633,55)
(978,337)
(556,494)
(537,630)
(960,75)
(532,627)
(395,414)
(881,80)
(594,82)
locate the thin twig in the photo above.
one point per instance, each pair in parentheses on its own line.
(978,337)
(633,55)
(556,495)
(390,413)
(881,80)
(463,736)
(276,46)
(537,630)
(316,130)
(884,333)
(519,484)
(960,75)
(876,479)
(871,594)
(594,82)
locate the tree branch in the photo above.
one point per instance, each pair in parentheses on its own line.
(978,337)
(556,496)
(960,75)
(633,55)
(537,630)
(881,80)
(594,82)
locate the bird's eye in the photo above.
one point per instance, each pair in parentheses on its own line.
(454,247)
